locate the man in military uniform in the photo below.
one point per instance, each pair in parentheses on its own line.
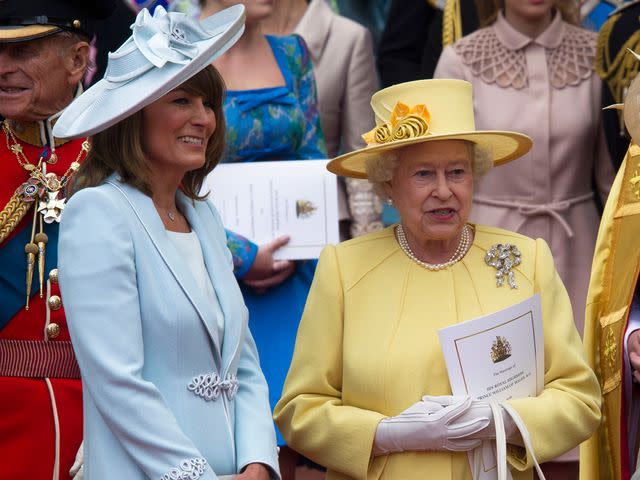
(44,53)
(617,68)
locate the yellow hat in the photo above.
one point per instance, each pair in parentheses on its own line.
(423,111)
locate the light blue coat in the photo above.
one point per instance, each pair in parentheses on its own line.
(146,340)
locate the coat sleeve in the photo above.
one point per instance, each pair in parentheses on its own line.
(450,65)
(243,251)
(310,414)
(567,411)
(255,435)
(362,82)
(357,119)
(99,284)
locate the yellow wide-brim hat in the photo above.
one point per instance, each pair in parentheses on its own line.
(425,111)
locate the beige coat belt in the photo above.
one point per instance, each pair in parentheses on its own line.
(527,209)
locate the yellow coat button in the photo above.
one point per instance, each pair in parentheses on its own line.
(53,275)
(55,302)
(53,330)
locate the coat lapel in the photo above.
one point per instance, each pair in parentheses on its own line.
(315,26)
(148,216)
(203,221)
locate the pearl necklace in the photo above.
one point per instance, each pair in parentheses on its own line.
(463,246)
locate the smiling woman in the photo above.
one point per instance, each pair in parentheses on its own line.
(172,384)
(180,135)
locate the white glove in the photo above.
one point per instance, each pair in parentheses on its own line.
(478,410)
(77,469)
(428,425)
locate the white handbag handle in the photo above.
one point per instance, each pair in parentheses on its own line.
(501,439)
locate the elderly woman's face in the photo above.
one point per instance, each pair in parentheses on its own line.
(432,188)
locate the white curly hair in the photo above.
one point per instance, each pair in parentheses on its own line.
(380,168)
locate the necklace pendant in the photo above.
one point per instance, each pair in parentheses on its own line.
(51,209)
(504,257)
(53,159)
(171,216)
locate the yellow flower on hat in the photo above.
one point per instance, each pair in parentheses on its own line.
(404,122)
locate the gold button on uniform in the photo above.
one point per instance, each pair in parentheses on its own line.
(53,330)
(55,302)
(53,276)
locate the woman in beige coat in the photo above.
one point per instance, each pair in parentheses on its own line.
(532,71)
(346,78)
(546,87)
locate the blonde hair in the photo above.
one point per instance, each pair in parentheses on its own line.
(380,168)
(118,149)
(488,11)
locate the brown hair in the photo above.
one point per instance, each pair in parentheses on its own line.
(488,11)
(118,149)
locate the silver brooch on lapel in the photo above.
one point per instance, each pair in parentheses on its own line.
(503,257)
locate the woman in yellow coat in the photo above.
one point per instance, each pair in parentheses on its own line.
(367,350)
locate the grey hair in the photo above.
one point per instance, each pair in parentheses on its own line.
(70,37)
(380,168)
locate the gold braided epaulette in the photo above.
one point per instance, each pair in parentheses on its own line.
(11,214)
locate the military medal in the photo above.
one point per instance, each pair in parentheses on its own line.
(42,190)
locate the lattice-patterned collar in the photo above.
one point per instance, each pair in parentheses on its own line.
(497,54)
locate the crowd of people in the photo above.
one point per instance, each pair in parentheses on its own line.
(141,338)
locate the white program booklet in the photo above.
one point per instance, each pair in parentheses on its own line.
(496,357)
(263,200)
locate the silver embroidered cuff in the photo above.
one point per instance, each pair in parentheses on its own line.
(210,386)
(189,469)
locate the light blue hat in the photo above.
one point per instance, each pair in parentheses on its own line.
(164,51)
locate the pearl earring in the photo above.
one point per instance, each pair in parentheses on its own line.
(389,202)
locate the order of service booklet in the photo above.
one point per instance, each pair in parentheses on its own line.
(264,200)
(496,357)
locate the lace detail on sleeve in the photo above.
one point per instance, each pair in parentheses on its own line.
(189,469)
(573,61)
(489,59)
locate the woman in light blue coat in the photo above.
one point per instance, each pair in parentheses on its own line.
(172,384)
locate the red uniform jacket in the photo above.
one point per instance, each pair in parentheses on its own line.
(40,418)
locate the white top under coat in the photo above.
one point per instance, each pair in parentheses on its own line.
(190,250)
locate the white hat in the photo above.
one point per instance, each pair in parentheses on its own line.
(164,51)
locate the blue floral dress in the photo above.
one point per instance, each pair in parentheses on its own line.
(278,123)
